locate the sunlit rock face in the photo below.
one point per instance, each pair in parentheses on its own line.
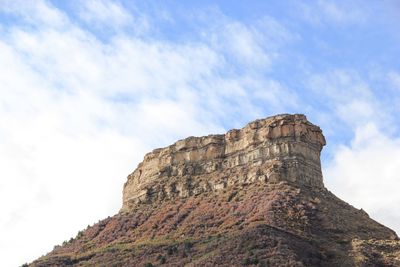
(279,148)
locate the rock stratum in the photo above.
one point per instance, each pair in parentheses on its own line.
(250,197)
(280,148)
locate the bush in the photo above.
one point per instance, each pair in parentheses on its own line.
(161,259)
(79,235)
(187,245)
(264,264)
(148,264)
(171,250)
(250,261)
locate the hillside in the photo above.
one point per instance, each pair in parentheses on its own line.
(253,196)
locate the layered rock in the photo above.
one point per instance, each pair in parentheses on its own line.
(279,148)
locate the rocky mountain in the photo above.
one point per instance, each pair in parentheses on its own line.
(250,197)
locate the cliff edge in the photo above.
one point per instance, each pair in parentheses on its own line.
(279,148)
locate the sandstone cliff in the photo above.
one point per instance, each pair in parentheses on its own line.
(253,196)
(279,148)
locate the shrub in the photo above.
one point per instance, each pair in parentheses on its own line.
(171,250)
(79,235)
(161,259)
(264,264)
(187,245)
(250,261)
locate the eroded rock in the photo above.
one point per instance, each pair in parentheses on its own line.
(279,148)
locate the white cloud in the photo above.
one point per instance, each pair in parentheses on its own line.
(275,94)
(350,100)
(332,12)
(366,174)
(109,14)
(256,45)
(105,11)
(38,14)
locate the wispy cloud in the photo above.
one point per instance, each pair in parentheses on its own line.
(38,14)
(350,100)
(105,12)
(112,15)
(325,12)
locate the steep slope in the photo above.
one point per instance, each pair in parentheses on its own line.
(253,196)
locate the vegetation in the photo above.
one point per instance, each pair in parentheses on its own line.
(161,259)
(208,235)
(250,261)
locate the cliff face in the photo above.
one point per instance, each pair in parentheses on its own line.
(279,148)
(253,196)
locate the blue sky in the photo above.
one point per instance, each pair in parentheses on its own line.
(88,87)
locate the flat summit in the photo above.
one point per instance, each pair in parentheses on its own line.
(251,197)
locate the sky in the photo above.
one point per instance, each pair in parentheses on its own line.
(88,87)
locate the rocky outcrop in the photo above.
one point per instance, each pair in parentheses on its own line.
(250,197)
(279,148)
